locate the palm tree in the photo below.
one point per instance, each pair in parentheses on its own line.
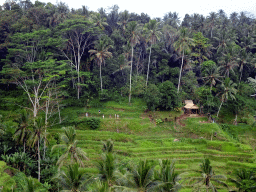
(101,53)
(137,178)
(153,34)
(70,146)
(28,184)
(228,91)
(206,181)
(124,18)
(99,20)
(228,61)
(133,33)
(244,59)
(211,75)
(212,21)
(106,167)
(166,177)
(35,138)
(183,44)
(108,146)
(245,180)
(142,174)
(74,179)
(22,133)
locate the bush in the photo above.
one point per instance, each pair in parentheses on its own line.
(169,98)
(93,122)
(152,97)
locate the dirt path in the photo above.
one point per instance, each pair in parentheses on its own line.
(185,116)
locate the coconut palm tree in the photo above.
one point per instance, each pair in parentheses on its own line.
(28,184)
(153,34)
(123,20)
(74,179)
(142,175)
(211,75)
(244,59)
(99,20)
(101,53)
(133,34)
(167,180)
(245,180)
(106,167)
(211,21)
(228,90)
(108,146)
(70,145)
(35,139)
(208,178)
(22,133)
(137,178)
(182,45)
(229,60)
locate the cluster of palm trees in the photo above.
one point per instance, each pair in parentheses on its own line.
(141,175)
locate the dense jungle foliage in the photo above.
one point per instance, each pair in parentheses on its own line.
(57,64)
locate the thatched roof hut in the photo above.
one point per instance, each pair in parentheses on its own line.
(190,107)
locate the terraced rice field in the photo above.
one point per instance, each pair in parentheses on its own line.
(194,143)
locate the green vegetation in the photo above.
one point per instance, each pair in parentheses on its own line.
(94,101)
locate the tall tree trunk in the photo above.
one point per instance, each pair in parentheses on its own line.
(39,159)
(44,142)
(78,84)
(180,72)
(130,93)
(240,76)
(148,65)
(24,145)
(101,80)
(220,107)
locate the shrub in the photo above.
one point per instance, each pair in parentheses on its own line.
(152,97)
(93,122)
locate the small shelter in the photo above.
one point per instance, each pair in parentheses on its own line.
(190,107)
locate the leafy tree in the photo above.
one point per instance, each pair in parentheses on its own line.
(182,45)
(33,78)
(152,97)
(169,98)
(73,39)
(201,50)
(70,146)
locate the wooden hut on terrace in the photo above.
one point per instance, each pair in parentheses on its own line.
(190,107)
